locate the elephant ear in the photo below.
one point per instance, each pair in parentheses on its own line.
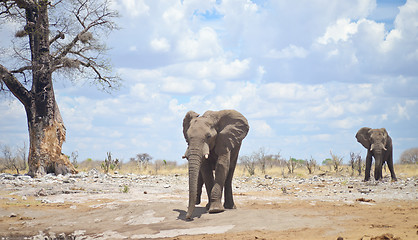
(232,127)
(388,140)
(190,115)
(385,133)
(363,137)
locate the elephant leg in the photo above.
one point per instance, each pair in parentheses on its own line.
(207,177)
(389,161)
(199,188)
(392,171)
(378,170)
(221,171)
(229,199)
(368,166)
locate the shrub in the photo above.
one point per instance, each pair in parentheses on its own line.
(249,164)
(409,156)
(109,163)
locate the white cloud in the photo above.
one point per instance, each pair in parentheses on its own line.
(293,91)
(160,45)
(198,45)
(291,51)
(177,108)
(261,128)
(173,15)
(340,31)
(134,8)
(347,123)
(215,69)
(403,110)
(177,85)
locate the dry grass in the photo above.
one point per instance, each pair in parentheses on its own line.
(401,170)
(405,170)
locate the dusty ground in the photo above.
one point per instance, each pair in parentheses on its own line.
(97,206)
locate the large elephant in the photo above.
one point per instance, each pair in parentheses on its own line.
(379,145)
(214,140)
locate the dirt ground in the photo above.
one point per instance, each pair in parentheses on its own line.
(97,206)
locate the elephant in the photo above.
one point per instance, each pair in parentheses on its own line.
(379,145)
(214,140)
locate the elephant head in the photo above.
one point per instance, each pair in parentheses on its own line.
(213,133)
(378,144)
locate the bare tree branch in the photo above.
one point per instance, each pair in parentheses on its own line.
(22,69)
(6,7)
(102,18)
(17,89)
(60,35)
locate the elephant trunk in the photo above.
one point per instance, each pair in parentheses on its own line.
(378,165)
(194,168)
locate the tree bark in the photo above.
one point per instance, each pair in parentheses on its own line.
(46,135)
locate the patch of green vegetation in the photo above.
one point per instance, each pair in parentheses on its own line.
(125,189)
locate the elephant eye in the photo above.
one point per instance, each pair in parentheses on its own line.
(208,136)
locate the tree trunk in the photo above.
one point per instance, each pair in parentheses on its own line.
(46,135)
(46,128)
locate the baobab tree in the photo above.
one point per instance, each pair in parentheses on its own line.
(55,39)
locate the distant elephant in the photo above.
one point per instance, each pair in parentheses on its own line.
(379,145)
(214,140)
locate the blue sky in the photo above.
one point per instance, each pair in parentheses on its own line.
(307,75)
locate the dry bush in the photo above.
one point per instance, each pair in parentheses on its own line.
(249,164)
(336,161)
(13,159)
(409,156)
(311,165)
(355,163)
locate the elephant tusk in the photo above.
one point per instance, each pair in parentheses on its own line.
(206,156)
(184,156)
(384,149)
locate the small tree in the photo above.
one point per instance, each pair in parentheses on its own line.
(409,156)
(336,161)
(274,160)
(23,151)
(12,161)
(355,162)
(261,158)
(74,156)
(359,164)
(109,163)
(311,165)
(143,159)
(249,164)
(291,164)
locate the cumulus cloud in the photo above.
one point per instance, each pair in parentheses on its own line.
(340,31)
(261,128)
(134,8)
(199,45)
(160,45)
